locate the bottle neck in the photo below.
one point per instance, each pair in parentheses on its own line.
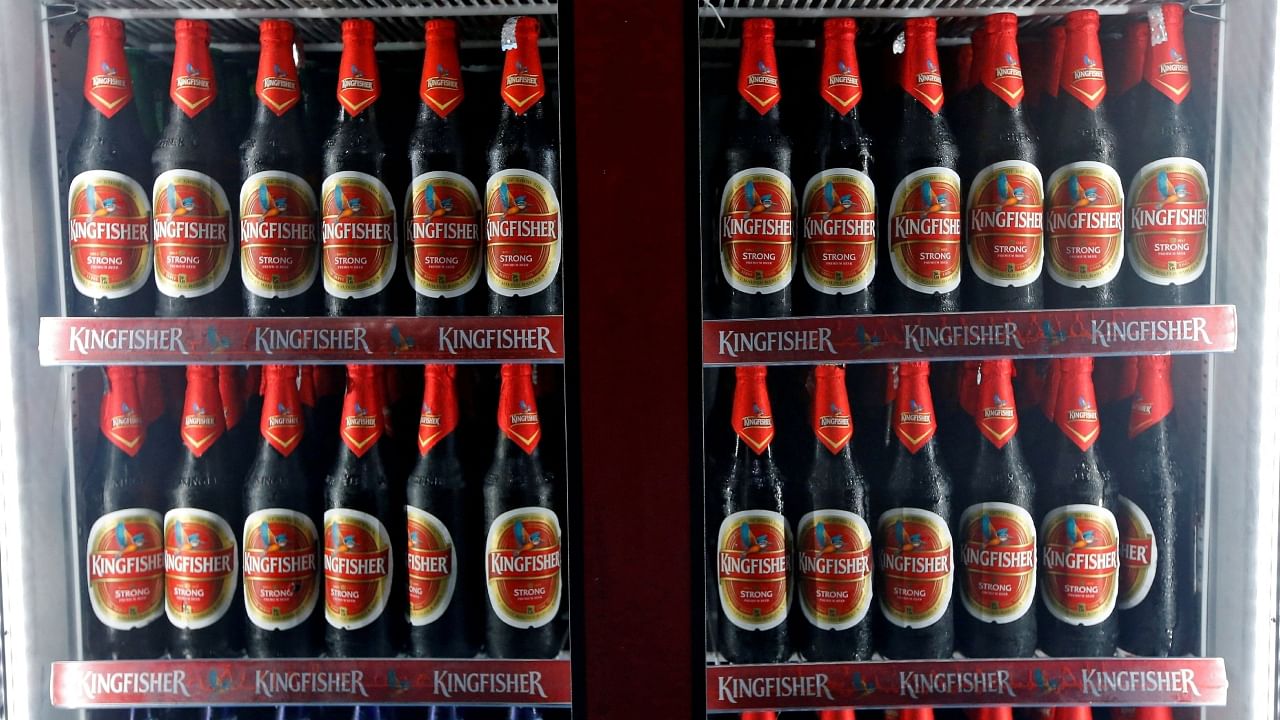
(441,87)
(1082,77)
(915,421)
(363,418)
(193,86)
(1076,409)
(120,414)
(921,76)
(994,409)
(1166,68)
(203,419)
(438,420)
(752,414)
(108,85)
(281,425)
(523,83)
(831,419)
(758,84)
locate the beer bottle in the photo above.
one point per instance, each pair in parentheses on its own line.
(1084,196)
(202,557)
(1168,199)
(523,228)
(924,212)
(997,533)
(442,219)
(757,204)
(194,225)
(839,254)
(833,540)
(1114,380)
(125,542)
(1150,489)
(358,563)
(752,556)
(108,212)
(357,214)
(1079,539)
(1005,218)
(279,248)
(442,567)
(524,545)
(915,566)
(281,547)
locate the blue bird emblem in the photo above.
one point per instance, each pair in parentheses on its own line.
(510,205)
(867,340)
(279,71)
(1008,196)
(932,203)
(1045,684)
(396,683)
(756,203)
(441,70)
(827,543)
(399,341)
(128,543)
(751,544)
(355,71)
(763,68)
(526,540)
(1077,537)
(1169,192)
(844,69)
(836,204)
(1088,61)
(270,542)
(991,535)
(219,683)
(1080,195)
(906,543)
(342,543)
(107,69)
(192,70)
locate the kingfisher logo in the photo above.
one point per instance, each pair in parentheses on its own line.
(443,80)
(167,685)
(757,418)
(522,76)
(930,75)
(1176,64)
(279,79)
(764,75)
(193,79)
(1088,70)
(356,80)
(109,77)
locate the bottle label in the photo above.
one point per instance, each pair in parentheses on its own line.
(121,423)
(522,82)
(840,80)
(835,568)
(1082,74)
(1138,554)
(357,568)
(1086,224)
(914,421)
(277,84)
(1152,402)
(756,230)
(1166,68)
(999,561)
(752,569)
(279,255)
(441,85)
(831,420)
(1003,76)
(921,77)
(1077,417)
(109,224)
(522,566)
(916,567)
(523,230)
(444,232)
(193,85)
(758,75)
(359,234)
(997,416)
(752,415)
(201,566)
(432,564)
(358,83)
(439,415)
(839,231)
(1081,561)
(126,568)
(192,230)
(924,230)
(107,84)
(281,578)
(281,421)
(1169,221)
(1006,224)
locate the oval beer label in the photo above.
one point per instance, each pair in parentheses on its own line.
(1169,221)
(126,568)
(1138,554)
(281,568)
(192,229)
(432,564)
(109,229)
(522,566)
(997,561)
(357,568)
(1080,560)
(201,566)
(924,230)
(279,255)
(757,230)
(1006,224)
(752,566)
(915,565)
(839,231)
(443,235)
(1085,224)
(834,568)
(358,228)
(523,232)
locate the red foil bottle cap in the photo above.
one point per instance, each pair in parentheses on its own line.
(1076,411)
(760,715)
(107,84)
(518,408)
(1153,396)
(439,407)
(362,419)
(921,76)
(1057,41)
(968,391)
(832,421)
(277,86)
(192,86)
(922,713)
(1002,70)
(1072,713)
(523,84)
(1137,39)
(1166,67)
(758,82)
(1082,74)
(358,84)
(119,416)
(232,390)
(752,415)
(989,713)
(441,84)
(839,714)
(281,424)
(203,421)
(996,411)
(914,419)
(840,83)
(980,50)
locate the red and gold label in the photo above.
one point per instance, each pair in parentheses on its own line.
(839,231)
(192,230)
(201,567)
(203,419)
(997,561)
(1081,74)
(281,422)
(518,413)
(834,568)
(126,559)
(107,84)
(924,230)
(841,83)
(432,565)
(921,76)
(1076,410)
(358,83)
(277,84)
(1138,554)
(1006,224)
(522,82)
(279,254)
(120,415)
(914,420)
(757,230)
(1169,221)
(915,566)
(358,228)
(994,409)
(1166,67)
(523,231)
(193,85)
(1152,397)
(1003,74)
(441,84)
(830,417)
(1086,224)
(752,561)
(522,566)
(444,234)
(357,568)
(439,415)
(752,415)
(758,70)
(1081,562)
(281,570)
(109,228)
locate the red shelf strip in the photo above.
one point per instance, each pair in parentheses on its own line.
(142,341)
(1032,682)
(94,684)
(1029,333)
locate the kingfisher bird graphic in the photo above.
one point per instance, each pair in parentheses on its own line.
(269,542)
(126,542)
(108,70)
(526,540)
(750,544)
(827,543)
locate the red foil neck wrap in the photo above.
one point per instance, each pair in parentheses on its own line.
(277,86)
(758,67)
(1076,411)
(1166,67)
(1057,42)
(1082,74)
(979,47)
(1052,379)
(1137,39)
(1153,397)
(996,412)
(307,385)
(192,86)
(441,84)
(832,421)
(439,407)
(518,409)
(151,395)
(232,390)
(841,714)
(522,82)
(358,85)
(989,713)
(120,416)
(968,390)
(921,75)
(1002,69)
(281,423)
(203,421)
(840,83)
(752,416)
(914,420)
(362,417)
(107,84)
